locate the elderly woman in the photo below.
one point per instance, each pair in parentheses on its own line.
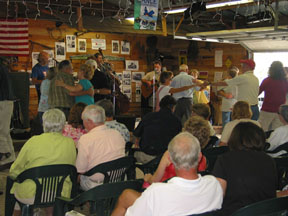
(246,173)
(280,135)
(241,112)
(75,128)
(275,87)
(49,148)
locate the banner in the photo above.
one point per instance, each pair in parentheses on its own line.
(145,14)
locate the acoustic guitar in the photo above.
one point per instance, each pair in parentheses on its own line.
(147,89)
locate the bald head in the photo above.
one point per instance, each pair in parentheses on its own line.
(184,150)
(183,68)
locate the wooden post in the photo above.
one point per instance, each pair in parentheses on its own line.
(164,26)
(80,20)
(180,22)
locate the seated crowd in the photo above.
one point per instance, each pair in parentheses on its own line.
(180,186)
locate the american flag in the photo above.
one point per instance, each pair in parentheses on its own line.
(14,39)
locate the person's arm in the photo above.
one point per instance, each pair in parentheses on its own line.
(102,91)
(76,88)
(89,92)
(223,184)
(36,81)
(184,88)
(157,176)
(81,160)
(224,94)
(262,87)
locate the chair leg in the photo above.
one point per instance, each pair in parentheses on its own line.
(10,200)
(27,210)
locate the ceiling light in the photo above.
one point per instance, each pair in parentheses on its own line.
(204,39)
(175,11)
(131,19)
(227,4)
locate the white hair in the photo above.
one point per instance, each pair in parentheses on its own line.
(183,67)
(95,113)
(184,150)
(53,121)
(92,63)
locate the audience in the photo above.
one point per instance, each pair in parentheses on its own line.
(204,111)
(58,96)
(246,173)
(199,128)
(113,124)
(75,128)
(44,92)
(83,91)
(275,87)
(187,193)
(99,145)
(165,88)
(49,148)
(280,135)
(229,97)
(155,131)
(241,113)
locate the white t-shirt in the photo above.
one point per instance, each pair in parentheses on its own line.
(164,90)
(179,197)
(230,126)
(248,87)
(278,137)
(227,104)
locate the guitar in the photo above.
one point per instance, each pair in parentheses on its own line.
(147,89)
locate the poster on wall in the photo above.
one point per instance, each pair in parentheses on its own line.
(218,58)
(115,46)
(70,43)
(51,61)
(132,65)
(145,14)
(125,47)
(60,51)
(120,77)
(35,56)
(138,92)
(137,76)
(82,45)
(98,43)
(127,91)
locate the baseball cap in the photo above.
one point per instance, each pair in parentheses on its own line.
(249,62)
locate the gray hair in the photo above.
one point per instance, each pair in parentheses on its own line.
(184,150)
(53,121)
(183,67)
(283,111)
(95,113)
(92,63)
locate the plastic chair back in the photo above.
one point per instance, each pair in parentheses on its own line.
(49,182)
(113,171)
(282,170)
(105,196)
(151,166)
(271,207)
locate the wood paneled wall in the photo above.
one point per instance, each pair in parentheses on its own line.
(45,33)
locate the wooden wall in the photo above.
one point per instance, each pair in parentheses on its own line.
(45,33)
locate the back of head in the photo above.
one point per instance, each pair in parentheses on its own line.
(63,64)
(202,110)
(241,110)
(233,71)
(95,113)
(87,70)
(199,128)
(283,111)
(157,62)
(51,73)
(107,106)
(53,121)
(74,118)
(247,136)
(92,63)
(276,71)
(195,73)
(183,67)
(167,102)
(184,150)
(96,55)
(165,75)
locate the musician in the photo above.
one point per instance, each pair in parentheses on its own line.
(147,82)
(39,71)
(101,79)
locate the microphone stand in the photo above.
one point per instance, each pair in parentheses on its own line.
(114,96)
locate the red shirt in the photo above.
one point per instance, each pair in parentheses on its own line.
(275,94)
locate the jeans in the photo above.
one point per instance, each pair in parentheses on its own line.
(226,117)
(255,112)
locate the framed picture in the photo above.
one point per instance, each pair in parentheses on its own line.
(98,43)
(125,47)
(132,65)
(60,50)
(82,45)
(70,43)
(115,46)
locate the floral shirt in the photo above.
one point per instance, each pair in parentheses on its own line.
(74,133)
(119,127)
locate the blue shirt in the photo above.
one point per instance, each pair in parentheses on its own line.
(37,72)
(87,99)
(181,80)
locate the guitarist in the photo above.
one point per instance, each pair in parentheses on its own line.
(147,87)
